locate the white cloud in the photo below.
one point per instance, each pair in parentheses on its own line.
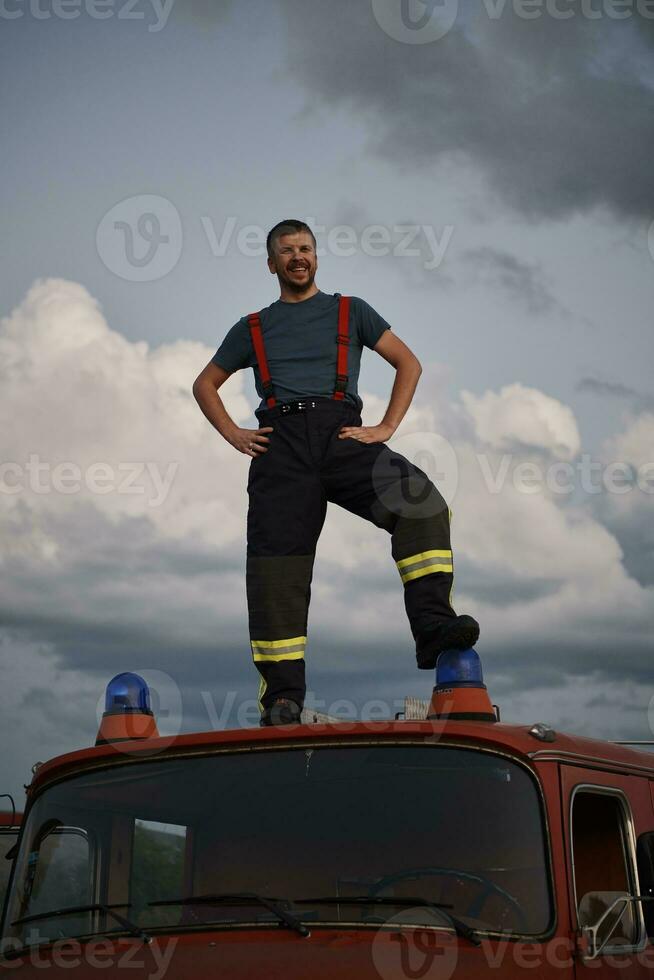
(635,444)
(588,705)
(111,422)
(523,416)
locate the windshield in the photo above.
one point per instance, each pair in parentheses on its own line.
(459,827)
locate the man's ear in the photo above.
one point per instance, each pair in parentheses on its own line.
(271,265)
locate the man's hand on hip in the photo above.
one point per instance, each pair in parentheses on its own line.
(252,442)
(367,433)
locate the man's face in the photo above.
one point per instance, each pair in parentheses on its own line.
(294,260)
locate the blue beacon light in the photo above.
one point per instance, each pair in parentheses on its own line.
(460,693)
(127,713)
(127,692)
(459,668)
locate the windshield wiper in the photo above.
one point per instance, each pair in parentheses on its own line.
(130,927)
(241,898)
(460,928)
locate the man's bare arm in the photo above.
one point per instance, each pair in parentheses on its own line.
(408,369)
(252,442)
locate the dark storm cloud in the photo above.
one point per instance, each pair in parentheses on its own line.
(117,594)
(633,528)
(547,660)
(639,402)
(122,597)
(521,281)
(557,114)
(118,598)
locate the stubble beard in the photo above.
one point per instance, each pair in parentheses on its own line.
(295,286)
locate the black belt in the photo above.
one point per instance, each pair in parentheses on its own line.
(301,405)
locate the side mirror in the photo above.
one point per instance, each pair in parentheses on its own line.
(600,915)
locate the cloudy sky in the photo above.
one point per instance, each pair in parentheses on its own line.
(481,174)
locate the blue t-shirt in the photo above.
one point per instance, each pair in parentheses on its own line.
(300,343)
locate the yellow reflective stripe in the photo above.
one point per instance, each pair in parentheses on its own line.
(449,598)
(271,644)
(427,570)
(272,651)
(274,657)
(262,690)
(443,553)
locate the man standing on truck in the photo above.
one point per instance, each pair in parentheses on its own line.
(311,448)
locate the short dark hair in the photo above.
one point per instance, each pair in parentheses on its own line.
(287,227)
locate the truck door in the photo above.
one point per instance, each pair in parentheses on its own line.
(598,811)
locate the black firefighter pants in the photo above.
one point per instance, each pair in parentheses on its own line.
(307,465)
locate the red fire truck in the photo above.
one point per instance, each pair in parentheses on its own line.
(451,846)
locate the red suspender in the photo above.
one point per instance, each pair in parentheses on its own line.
(257,342)
(342,342)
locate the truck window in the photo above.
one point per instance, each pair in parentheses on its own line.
(157,868)
(61,870)
(603,864)
(645,860)
(56,872)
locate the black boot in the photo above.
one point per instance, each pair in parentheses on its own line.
(458,633)
(283,711)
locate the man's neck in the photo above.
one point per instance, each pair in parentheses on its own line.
(290,296)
